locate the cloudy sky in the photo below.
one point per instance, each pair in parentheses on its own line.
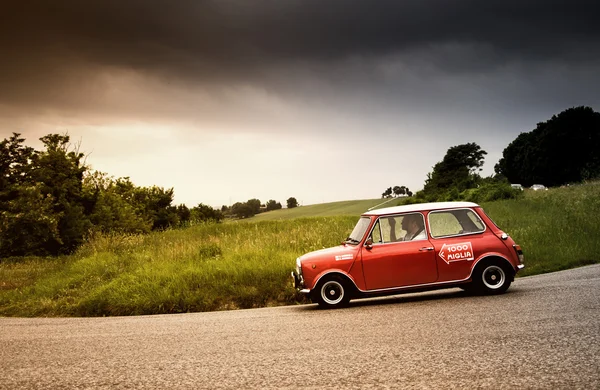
(322,100)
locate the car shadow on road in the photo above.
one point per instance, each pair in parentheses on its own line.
(438,295)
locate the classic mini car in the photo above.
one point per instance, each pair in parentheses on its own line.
(412,248)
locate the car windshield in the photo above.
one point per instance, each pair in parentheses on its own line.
(359,230)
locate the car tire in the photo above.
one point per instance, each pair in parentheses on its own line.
(491,278)
(332,292)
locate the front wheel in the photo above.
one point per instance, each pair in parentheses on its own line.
(492,278)
(332,293)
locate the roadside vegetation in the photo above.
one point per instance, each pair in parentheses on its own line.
(76,242)
(246,264)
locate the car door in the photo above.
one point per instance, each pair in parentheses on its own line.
(389,264)
(459,237)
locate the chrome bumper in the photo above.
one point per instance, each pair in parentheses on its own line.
(298,282)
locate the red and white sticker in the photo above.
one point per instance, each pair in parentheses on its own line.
(457,252)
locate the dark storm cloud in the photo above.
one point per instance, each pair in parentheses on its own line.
(119,58)
(209,38)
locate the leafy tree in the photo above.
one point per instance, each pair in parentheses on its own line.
(158,201)
(387,193)
(59,171)
(203,212)
(15,165)
(27,223)
(561,150)
(112,204)
(273,205)
(242,210)
(401,191)
(291,203)
(254,205)
(183,213)
(458,170)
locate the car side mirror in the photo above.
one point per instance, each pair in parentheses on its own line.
(369,243)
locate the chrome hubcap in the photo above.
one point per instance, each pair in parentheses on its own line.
(494,277)
(332,292)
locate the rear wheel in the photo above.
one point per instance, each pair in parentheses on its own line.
(332,292)
(492,277)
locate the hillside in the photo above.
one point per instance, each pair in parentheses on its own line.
(347,207)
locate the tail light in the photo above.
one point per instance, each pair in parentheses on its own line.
(519,253)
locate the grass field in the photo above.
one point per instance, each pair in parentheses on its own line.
(348,207)
(247,263)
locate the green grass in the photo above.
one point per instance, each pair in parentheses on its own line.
(557,229)
(202,268)
(247,264)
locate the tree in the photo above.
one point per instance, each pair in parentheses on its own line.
(401,191)
(562,150)
(387,193)
(254,205)
(273,205)
(15,165)
(27,223)
(59,171)
(291,203)
(458,170)
(183,213)
(203,212)
(242,210)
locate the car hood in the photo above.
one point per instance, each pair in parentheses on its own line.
(337,253)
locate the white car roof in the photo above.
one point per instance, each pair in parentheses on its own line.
(420,207)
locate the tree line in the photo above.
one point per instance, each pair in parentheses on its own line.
(562,150)
(396,191)
(254,206)
(50,200)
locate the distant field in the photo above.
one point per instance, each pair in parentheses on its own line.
(348,207)
(245,264)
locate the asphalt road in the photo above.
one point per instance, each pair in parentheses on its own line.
(542,334)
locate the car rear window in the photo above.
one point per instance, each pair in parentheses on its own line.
(455,222)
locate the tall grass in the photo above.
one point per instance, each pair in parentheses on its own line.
(206,267)
(247,264)
(557,229)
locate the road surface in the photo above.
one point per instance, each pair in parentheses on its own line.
(542,334)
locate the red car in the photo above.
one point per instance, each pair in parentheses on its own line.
(412,248)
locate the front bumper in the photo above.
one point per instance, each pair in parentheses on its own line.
(297,280)
(299,283)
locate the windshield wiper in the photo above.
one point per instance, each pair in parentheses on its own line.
(352,240)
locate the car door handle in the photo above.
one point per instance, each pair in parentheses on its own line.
(426,248)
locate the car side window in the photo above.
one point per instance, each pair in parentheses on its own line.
(376,233)
(454,222)
(405,227)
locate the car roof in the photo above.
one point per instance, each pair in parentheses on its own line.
(420,207)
